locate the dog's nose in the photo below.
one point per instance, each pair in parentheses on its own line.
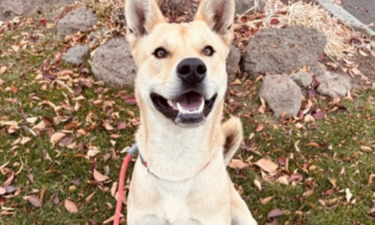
(191,70)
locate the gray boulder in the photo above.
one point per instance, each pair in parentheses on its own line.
(12,8)
(334,85)
(114,63)
(76,55)
(233,60)
(282,95)
(303,79)
(80,19)
(278,51)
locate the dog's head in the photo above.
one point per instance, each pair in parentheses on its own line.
(181,67)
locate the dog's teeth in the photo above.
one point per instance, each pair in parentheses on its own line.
(180,109)
(201,107)
(170,103)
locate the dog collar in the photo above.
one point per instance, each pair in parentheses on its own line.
(145,164)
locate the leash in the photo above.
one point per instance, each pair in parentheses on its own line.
(132,151)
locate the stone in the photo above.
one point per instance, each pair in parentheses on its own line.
(80,19)
(334,85)
(233,60)
(242,6)
(12,8)
(278,51)
(76,55)
(318,69)
(303,79)
(282,95)
(113,63)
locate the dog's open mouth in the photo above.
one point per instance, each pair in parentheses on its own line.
(190,108)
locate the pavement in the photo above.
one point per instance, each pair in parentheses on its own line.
(363,10)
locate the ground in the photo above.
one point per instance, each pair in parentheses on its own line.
(64,134)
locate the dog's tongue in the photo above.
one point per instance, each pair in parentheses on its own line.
(189,102)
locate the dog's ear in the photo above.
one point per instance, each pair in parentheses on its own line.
(218,14)
(142,16)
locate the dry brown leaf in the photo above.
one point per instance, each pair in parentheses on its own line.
(348,194)
(34,200)
(267,165)
(3,69)
(3,190)
(265,201)
(56,137)
(258,184)
(100,177)
(88,198)
(366,148)
(70,206)
(238,164)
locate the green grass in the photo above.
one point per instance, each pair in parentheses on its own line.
(344,131)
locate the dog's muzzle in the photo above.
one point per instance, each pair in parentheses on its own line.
(191,107)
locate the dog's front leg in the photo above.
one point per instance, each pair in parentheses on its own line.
(241,215)
(151,219)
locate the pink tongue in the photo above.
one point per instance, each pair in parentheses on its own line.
(190,101)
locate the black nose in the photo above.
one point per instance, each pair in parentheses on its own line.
(191,70)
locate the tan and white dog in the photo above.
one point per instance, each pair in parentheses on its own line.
(181,177)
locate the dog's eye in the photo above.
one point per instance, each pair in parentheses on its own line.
(208,51)
(160,53)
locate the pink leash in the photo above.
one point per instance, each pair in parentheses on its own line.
(120,191)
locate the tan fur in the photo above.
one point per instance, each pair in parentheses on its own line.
(232,130)
(177,188)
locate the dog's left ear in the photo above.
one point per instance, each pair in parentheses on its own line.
(142,16)
(219,15)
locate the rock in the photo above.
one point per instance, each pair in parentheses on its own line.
(282,95)
(114,63)
(243,5)
(303,79)
(76,55)
(233,60)
(278,51)
(318,69)
(80,19)
(12,8)
(334,85)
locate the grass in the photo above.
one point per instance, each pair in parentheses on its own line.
(60,172)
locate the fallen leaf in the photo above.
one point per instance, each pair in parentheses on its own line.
(348,194)
(3,190)
(267,165)
(121,126)
(259,127)
(70,206)
(258,184)
(238,164)
(294,177)
(265,201)
(274,213)
(34,200)
(366,148)
(274,21)
(56,137)
(3,69)
(131,100)
(100,177)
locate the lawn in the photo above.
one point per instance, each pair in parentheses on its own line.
(63,135)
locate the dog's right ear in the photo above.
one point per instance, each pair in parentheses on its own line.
(142,16)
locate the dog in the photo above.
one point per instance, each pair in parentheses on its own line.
(180,176)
